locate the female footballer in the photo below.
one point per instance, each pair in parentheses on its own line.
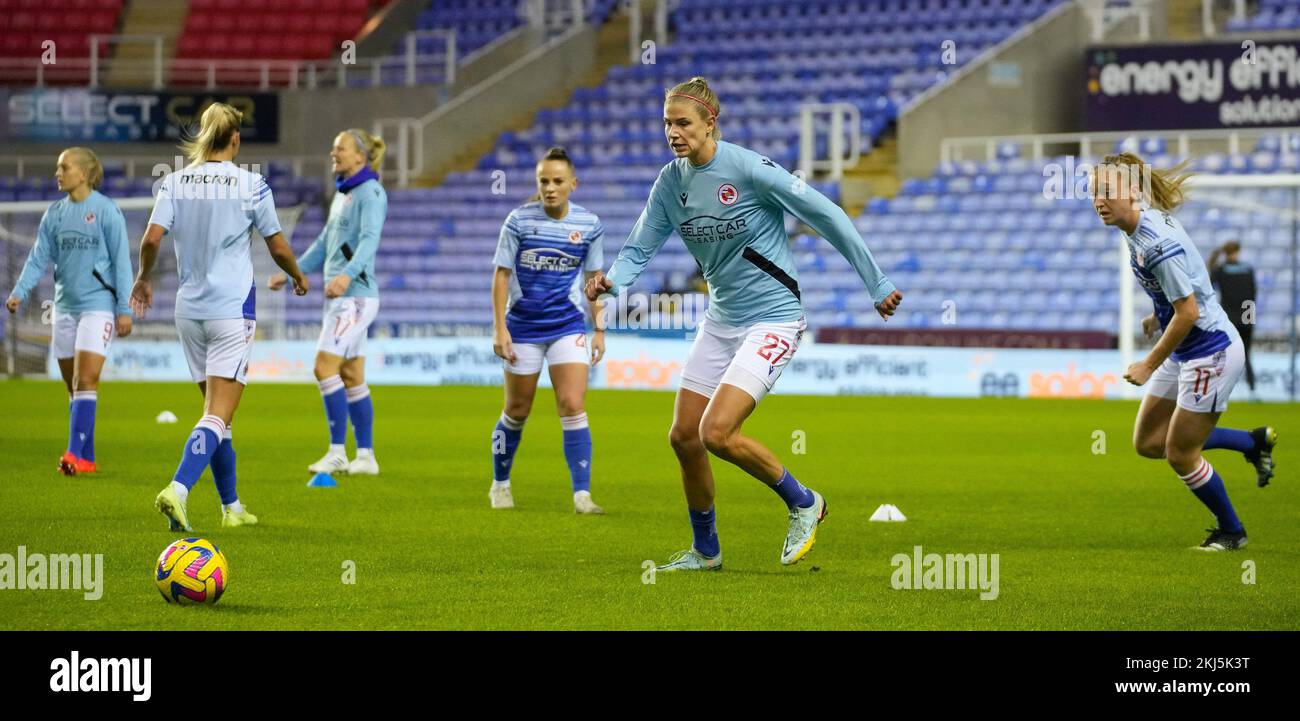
(209,208)
(538,316)
(728,205)
(346,250)
(84,237)
(1193,367)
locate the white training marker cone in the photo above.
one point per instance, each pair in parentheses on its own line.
(888,512)
(166,417)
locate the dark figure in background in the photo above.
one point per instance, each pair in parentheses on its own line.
(1235,282)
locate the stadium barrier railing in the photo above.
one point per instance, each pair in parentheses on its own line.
(838,116)
(263,74)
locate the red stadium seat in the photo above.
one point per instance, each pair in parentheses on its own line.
(295,46)
(319,47)
(103,22)
(13,45)
(278,22)
(223,23)
(330,7)
(79,44)
(252,24)
(48,23)
(189,46)
(268,47)
(78,22)
(323,24)
(242,47)
(347,26)
(23,22)
(214,46)
(32,44)
(356,6)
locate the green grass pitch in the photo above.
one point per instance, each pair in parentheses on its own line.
(1085,540)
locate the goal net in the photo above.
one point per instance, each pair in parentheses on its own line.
(26,335)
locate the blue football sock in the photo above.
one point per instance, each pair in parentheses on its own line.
(792,493)
(577,450)
(704,526)
(505,441)
(81,420)
(1208,487)
(362,413)
(200,446)
(336,408)
(223,469)
(1230,438)
(88,448)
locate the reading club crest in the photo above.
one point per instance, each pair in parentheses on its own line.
(727,194)
(90,218)
(575,237)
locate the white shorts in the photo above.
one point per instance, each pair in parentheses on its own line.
(92,331)
(1203,384)
(529,356)
(343,331)
(749,357)
(217,348)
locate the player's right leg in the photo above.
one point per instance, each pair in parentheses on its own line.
(520,389)
(337,334)
(569,363)
(95,334)
(1255,445)
(351,346)
(335,398)
(1205,384)
(203,439)
(227,376)
(62,346)
(711,353)
(705,553)
(217,352)
(87,366)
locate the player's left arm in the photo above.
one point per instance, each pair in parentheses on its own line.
(830,222)
(120,255)
(1175,281)
(371,224)
(268,224)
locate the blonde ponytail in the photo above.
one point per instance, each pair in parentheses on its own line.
(1163,189)
(90,163)
(371,146)
(217,129)
(697,92)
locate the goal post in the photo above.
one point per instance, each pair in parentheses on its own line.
(26,335)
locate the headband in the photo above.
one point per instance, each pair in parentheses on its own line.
(361,144)
(712,114)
